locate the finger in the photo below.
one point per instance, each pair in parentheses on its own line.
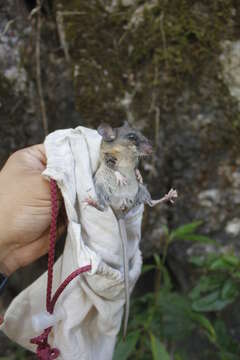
(26,255)
(36,157)
(29,253)
(40,152)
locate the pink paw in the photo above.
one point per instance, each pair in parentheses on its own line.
(171,195)
(90,201)
(121,180)
(139,176)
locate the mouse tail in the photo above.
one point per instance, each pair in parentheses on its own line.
(123,234)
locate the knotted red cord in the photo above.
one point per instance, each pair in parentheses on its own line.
(44,350)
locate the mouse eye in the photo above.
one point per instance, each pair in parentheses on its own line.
(132,137)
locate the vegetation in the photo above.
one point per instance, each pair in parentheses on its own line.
(163,321)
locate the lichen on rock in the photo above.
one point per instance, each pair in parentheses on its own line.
(230,60)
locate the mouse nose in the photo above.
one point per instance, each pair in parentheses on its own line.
(147,148)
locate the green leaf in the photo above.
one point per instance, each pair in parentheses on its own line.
(225,355)
(185,229)
(224,340)
(198,238)
(229,290)
(165,229)
(177,357)
(224,263)
(206,325)
(167,283)
(210,302)
(215,262)
(236,275)
(229,347)
(147,268)
(125,348)
(232,260)
(157,260)
(198,260)
(218,264)
(158,349)
(176,322)
(205,284)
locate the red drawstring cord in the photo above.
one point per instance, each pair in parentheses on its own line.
(53,236)
(44,350)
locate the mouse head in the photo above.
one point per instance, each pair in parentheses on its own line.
(126,138)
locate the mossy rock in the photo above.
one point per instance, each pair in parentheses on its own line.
(170,48)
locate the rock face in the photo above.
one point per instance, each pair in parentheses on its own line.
(172,70)
(230,59)
(21,122)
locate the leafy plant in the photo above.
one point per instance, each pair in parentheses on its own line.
(162,319)
(125,348)
(219,286)
(188,232)
(158,349)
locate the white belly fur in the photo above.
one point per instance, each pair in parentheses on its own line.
(118,193)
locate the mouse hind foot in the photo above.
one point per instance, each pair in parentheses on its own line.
(94,203)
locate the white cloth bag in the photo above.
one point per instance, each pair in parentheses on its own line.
(93,302)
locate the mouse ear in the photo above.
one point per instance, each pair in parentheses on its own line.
(107,132)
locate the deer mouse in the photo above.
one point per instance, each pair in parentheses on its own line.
(119,184)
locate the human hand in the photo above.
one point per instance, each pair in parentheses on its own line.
(25,209)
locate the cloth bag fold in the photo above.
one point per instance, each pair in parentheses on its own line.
(93,302)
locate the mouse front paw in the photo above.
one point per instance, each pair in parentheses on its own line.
(171,196)
(139,176)
(121,180)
